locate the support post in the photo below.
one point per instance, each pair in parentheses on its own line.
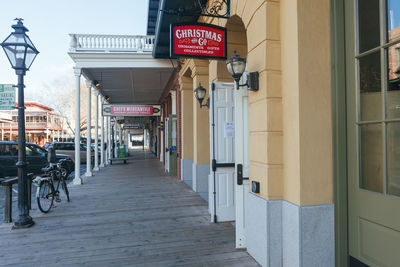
(109,139)
(102,164)
(89,130)
(77,179)
(96,133)
(115,137)
(24,220)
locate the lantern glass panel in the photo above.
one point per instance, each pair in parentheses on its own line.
(28,41)
(30,57)
(15,38)
(200,93)
(230,69)
(238,67)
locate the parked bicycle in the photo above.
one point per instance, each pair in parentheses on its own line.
(48,185)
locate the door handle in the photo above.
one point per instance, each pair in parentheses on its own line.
(240,177)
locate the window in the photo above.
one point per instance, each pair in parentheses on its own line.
(5,150)
(378,99)
(14,150)
(35,151)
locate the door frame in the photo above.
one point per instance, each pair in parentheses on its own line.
(339,121)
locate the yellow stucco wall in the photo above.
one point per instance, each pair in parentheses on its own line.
(186,87)
(316,166)
(199,117)
(288,43)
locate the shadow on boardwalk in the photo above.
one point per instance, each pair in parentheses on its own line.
(126,215)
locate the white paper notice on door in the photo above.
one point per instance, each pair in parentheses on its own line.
(229,130)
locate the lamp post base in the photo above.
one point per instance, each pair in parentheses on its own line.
(24,222)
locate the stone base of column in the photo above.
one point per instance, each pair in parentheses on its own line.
(88,174)
(280,233)
(200,179)
(102,165)
(186,171)
(96,169)
(77,181)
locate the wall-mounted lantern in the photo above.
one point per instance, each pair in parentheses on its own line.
(96,83)
(236,67)
(200,93)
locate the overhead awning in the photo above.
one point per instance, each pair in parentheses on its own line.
(164,20)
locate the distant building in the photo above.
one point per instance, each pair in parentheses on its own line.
(42,124)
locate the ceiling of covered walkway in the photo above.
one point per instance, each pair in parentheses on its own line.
(130,85)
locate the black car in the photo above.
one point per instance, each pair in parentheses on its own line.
(35,156)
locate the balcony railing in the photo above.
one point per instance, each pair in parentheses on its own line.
(111,43)
(29,125)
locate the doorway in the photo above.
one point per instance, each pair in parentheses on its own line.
(373,130)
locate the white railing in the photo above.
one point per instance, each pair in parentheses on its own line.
(111,43)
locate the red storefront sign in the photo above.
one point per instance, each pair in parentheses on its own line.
(131,110)
(198,41)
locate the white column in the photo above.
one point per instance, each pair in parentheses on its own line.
(144,138)
(127,141)
(162,149)
(102,138)
(89,130)
(2,134)
(173,100)
(109,139)
(115,137)
(77,179)
(58,135)
(120,133)
(96,133)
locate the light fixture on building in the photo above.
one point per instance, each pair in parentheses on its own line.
(107,98)
(96,83)
(200,93)
(236,67)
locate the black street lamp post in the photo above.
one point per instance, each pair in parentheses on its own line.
(21,53)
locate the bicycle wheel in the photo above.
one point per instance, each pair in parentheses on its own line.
(45,196)
(65,189)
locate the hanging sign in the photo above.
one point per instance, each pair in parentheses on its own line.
(7,96)
(197,40)
(131,110)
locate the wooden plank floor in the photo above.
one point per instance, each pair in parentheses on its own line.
(126,215)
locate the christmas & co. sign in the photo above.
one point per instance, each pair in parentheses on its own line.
(198,41)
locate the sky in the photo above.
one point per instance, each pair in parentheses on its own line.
(49,23)
(394,5)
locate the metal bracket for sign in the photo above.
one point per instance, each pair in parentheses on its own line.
(215,10)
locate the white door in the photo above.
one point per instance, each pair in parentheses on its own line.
(222,159)
(242,162)
(166,147)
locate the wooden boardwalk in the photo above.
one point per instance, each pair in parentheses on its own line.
(126,215)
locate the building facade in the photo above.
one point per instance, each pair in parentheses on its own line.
(42,124)
(319,134)
(305,166)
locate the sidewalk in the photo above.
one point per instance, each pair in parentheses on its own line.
(125,215)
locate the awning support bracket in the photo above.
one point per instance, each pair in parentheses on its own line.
(215,10)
